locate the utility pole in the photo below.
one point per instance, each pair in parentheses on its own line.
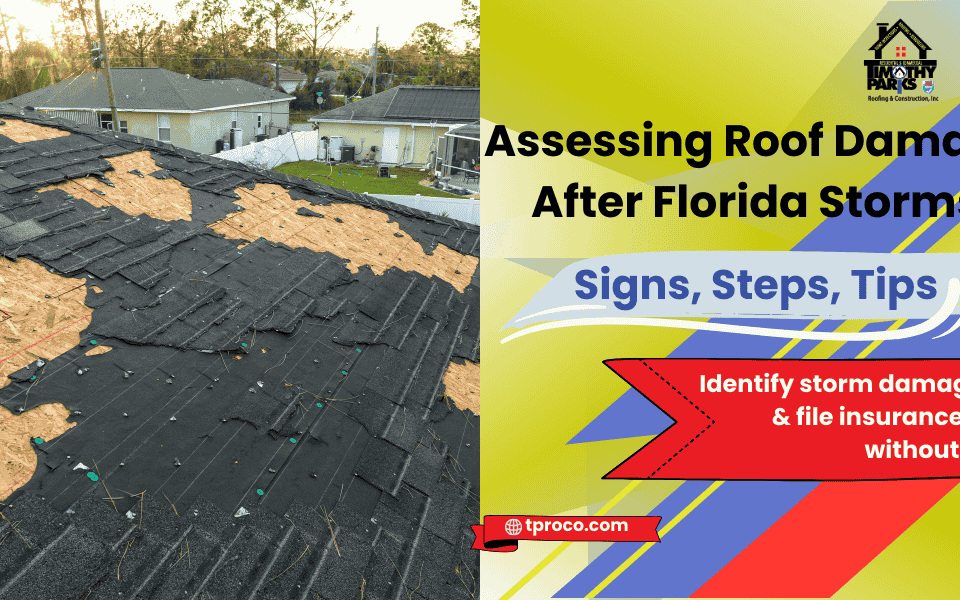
(106,64)
(376,55)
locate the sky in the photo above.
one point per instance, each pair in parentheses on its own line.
(396,19)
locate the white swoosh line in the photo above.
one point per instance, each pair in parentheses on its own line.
(565,308)
(953,296)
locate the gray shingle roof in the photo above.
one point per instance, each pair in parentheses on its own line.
(414,103)
(147,89)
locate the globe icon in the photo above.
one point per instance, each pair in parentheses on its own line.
(513,527)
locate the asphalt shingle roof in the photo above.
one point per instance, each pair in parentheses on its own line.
(147,89)
(414,103)
(264,378)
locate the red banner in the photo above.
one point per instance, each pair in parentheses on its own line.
(501,533)
(798,420)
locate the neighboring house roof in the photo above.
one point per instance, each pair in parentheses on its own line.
(149,89)
(273,416)
(287,73)
(412,103)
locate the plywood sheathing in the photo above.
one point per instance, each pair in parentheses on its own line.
(18,460)
(463,385)
(365,236)
(21,132)
(41,314)
(165,199)
(98,350)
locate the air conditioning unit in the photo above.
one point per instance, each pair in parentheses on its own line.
(336,146)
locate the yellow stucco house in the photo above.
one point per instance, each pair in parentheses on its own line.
(168,107)
(406,123)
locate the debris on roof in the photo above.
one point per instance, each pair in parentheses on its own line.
(302,384)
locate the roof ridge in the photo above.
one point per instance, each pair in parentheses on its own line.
(176,90)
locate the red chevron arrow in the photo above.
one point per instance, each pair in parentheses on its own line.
(729,433)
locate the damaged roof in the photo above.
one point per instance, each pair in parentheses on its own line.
(271,412)
(147,88)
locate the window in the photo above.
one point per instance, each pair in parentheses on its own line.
(106,121)
(163,128)
(259,123)
(901,51)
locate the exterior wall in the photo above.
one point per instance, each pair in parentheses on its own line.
(209,127)
(180,133)
(277,113)
(200,131)
(142,124)
(289,85)
(414,149)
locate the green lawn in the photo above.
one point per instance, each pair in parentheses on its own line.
(364,179)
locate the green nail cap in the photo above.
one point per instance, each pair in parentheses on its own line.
(293,440)
(259,492)
(92,476)
(344,372)
(319,405)
(39,440)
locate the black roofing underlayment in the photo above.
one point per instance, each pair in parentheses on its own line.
(266,382)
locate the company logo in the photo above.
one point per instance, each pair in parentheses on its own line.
(513,527)
(906,61)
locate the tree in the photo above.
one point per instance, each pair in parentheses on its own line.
(471,19)
(325,20)
(306,97)
(274,18)
(139,36)
(470,59)
(30,70)
(434,43)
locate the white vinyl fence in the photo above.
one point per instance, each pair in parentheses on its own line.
(462,209)
(291,147)
(302,145)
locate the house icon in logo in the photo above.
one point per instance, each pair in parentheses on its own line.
(897,72)
(886,35)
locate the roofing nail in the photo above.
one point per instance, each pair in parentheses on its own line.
(173,418)
(176,461)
